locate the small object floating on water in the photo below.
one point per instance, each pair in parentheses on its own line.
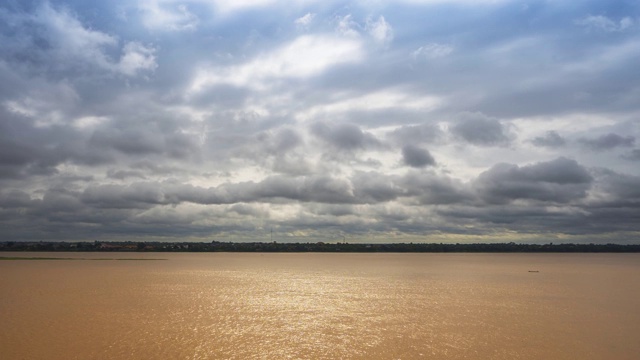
(534,270)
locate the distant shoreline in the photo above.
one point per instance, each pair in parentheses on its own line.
(20,258)
(216,246)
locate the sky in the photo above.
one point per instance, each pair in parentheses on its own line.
(360,121)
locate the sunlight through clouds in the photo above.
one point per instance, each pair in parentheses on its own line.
(407,119)
(306,56)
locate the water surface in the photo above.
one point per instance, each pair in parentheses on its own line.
(321,306)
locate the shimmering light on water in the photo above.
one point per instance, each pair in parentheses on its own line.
(322,306)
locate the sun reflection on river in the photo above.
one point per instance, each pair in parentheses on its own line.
(323,306)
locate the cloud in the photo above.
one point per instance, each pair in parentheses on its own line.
(125,174)
(362,188)
(416,134)
(305,56)
(15,199)
(135,196)
(281,150)
(305,21)
(316,188)
(607,142)
(428,188)
(166,15)
(290,164)
(29,149)
(69,39)
(550,139)
(432,51)
(372,187)
(561,181)
(137,57)
(618,190)
(380,30)
(605,24)
(57,33)
(344,136)
(284,141)
(347,26)
(463,2)
(349,105)
(137,141)
(480,130)
(633,155)
(197,119)
(616,202)
(417,157)
(227,8)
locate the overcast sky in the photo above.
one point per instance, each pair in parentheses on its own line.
(371,121)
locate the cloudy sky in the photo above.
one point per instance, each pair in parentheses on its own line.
(370,121)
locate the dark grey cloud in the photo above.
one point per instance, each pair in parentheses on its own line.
(607,142)
(550,139)
(633,155)
(523,219)
(618,190)
(247,209)
(333,210)
(615,206)
(416,134)
(417,157)
(276,149)
(362,188)
(15,199)
(137,139)
(427,188)
(124,174)
(295,165)
(344,136)
(372,187)
(59,204)
(127,142)
(480,130)
(135,196)
(28,149)
(322,189)
(280,142)
(286,140)
(561,181)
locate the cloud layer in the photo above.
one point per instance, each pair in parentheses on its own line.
(377,122)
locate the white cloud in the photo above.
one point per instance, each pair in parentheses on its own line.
(305,56)
(165,15)
(432,51)
(89,122)
(137,57)
(71,40)
(304,21)
(175,15)
(380,30)
(226,7)
(347,26)
(71,44)
(380,100)
(603,23)
(430,2)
